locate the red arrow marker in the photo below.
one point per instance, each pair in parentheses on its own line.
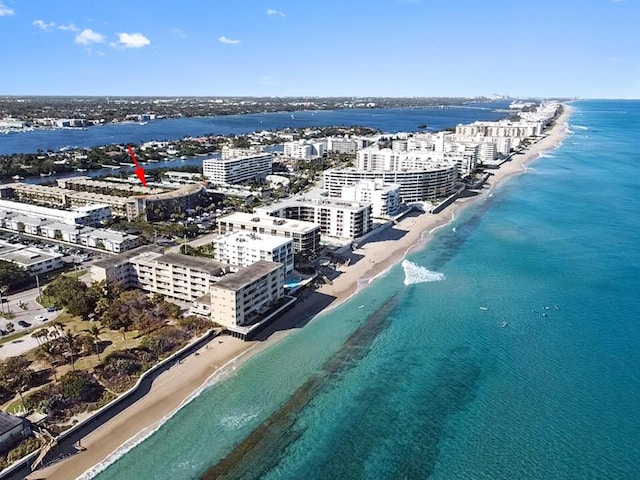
(139,169)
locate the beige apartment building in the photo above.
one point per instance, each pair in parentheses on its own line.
(238,299)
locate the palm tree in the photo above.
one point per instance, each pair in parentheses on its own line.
(58,328)
(70,339)
(23,381)
(50,351)
(40,334)
(95,332)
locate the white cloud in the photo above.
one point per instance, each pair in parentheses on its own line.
(69,28)
(88,36)
(132,40)
(43,25)
(5,11)
(228,41)
(178,32)
(275,13)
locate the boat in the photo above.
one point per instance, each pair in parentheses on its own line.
(81,169)
(422,125)
(484,308)
(17,177)
(46,174)
(504,324)
(142,123)
(360,306)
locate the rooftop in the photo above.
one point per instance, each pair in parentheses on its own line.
(63,227)
(245,276)
(208,265)
(187,189)
(38,211)
(111,235)
(324,201)
(29,256)
(254,240)
(122,187)
(50,191)
(266,221)
(8,422)
(126,256)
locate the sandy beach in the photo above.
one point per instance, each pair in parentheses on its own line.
(172,388)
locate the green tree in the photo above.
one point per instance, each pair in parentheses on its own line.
(13,275)
(72,294)
(15,375)
(95,331)
(80,387)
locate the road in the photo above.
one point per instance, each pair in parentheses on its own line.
(31,310)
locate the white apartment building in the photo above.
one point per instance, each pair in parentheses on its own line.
(305,235)
(430,184)
(64,232)
(387,159)
(383,197)
(502,145)
(88,215)
(221,171)
(96,214)
(503,128)
(238,299)
(245,248)
(110,240)
(337,218)
(35,261)
(304,149)
(345,145)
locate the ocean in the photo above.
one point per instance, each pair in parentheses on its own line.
(387,120)
(412,379)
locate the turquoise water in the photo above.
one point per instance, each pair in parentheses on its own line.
(425,384)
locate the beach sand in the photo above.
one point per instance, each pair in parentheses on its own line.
(173,387)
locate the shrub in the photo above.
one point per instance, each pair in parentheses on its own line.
(28,445)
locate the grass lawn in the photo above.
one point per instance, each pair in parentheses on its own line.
(113,338)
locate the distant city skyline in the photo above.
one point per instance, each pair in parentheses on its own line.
(393,48)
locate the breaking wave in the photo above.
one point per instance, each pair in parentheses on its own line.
(416,274)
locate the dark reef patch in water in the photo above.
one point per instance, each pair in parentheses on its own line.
(263,449)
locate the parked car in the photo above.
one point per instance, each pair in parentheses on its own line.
(40,318)
(51,309)
(24,324)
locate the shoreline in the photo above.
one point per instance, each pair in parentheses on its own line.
(175,388)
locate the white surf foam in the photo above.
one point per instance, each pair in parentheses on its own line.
(239,420)
(416,274)
(580,127)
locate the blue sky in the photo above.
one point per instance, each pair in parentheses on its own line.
(583,48)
